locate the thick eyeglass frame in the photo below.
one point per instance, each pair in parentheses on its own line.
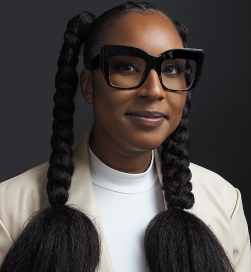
(152,62)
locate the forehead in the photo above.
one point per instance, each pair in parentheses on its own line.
(152,32)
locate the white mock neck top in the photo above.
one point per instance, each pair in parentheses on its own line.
(127,203)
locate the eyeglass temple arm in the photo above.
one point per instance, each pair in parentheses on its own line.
(95,62)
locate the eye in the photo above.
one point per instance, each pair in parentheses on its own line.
(172,70)
(125,67)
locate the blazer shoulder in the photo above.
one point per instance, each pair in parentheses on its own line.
(209,177)
(21,196)
(26,177)
(210,183)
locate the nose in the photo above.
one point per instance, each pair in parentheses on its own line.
(152,88)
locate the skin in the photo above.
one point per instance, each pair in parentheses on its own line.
(122,138)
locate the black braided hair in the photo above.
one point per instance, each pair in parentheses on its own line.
(175,240)
(66,81)
(60,238)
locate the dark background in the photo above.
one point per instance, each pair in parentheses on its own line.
(31,37)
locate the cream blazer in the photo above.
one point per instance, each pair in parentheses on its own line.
(217,203)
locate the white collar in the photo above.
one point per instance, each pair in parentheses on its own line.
(114,180)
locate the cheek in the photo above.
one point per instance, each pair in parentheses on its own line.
(101,95)
(108,103)
(177,105)
(107,97)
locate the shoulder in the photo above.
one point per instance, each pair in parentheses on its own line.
(216,188)
(209,179)
(219,205)
(21,196)
(30,185)
(29,179)
(211,191)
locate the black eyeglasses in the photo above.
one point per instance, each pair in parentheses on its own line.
(127,67)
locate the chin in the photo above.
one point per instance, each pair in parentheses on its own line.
(147,144)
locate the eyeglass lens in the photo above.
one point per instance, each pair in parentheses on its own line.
(128,72)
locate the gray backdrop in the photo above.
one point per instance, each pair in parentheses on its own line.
(31,37)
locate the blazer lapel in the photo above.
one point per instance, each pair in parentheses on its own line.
(82,195)
(157,159)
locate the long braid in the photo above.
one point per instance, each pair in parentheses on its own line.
(66,81)
(176,240)
(175,165)
(60,238)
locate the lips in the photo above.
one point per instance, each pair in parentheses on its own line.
(147,114)
(147,118)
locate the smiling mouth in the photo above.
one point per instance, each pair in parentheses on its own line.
(147,118)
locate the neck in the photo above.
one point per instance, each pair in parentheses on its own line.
(128,160)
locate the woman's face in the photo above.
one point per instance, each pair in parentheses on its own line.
(139,119)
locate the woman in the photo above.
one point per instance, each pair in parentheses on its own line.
(132,166)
